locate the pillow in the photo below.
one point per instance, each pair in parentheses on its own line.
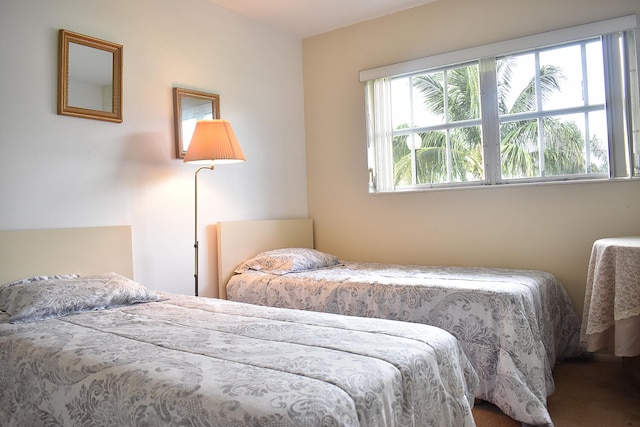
(43,297)
(39,278)
(289,260)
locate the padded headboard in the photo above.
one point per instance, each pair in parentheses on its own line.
(87,250)
(240,240)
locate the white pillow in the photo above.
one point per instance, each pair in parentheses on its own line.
(43,297)
(288,260)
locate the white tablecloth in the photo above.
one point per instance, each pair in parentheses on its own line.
(611,320)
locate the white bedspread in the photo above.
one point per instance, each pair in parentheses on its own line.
(513,325)
(204,362)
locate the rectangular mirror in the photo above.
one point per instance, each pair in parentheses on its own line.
(89,77)
(189,106)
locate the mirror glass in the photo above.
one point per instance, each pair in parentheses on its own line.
(90,78)
(189,106)
(90,74)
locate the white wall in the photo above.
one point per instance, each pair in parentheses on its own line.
(59,171)
(548,227)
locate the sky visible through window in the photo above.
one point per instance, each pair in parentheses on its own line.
(569,60)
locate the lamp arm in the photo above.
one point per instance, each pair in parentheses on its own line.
(195,242)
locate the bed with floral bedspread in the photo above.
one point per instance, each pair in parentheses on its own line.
(105,351)
(514,325)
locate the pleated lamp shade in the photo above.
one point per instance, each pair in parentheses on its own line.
(214,142)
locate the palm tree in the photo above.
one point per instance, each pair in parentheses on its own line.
(459,157)
(465,146)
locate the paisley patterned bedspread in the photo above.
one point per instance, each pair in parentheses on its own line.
(513,325)
(204,362)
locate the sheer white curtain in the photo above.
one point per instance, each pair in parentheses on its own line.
(379,135)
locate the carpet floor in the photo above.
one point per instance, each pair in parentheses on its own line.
(594,392)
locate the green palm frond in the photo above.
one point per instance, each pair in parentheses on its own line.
(564,147)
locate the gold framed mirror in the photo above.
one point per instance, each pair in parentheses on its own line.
(189,106)
(89,77)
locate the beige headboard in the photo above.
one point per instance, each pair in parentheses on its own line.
(240,240)
(87,250)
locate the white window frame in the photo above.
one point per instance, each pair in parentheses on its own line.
(620,133)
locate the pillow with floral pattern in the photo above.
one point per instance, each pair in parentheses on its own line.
(44,297)
(288,260)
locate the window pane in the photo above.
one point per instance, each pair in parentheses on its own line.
(564,145)
(400,147)
(402,171)
(450,156)
(595,73)
(561,78)
(466,154)
(428,99)
(400,102)
(463,93)
(519,149)
(516,84)
(431,158)
(598,146)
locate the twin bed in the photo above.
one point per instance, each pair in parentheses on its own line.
(514,325)
(83,344)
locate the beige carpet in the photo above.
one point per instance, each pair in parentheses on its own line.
(596,392)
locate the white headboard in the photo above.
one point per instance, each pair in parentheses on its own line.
(240,240)
(88,250)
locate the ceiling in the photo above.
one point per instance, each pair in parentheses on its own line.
(305,18)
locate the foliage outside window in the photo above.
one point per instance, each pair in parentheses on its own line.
(563,111)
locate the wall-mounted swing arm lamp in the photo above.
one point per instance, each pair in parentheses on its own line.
(213,142)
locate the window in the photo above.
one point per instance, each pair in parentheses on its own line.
(556,106)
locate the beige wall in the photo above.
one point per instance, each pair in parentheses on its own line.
(549,227)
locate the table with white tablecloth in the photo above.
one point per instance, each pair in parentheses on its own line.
(611,320)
